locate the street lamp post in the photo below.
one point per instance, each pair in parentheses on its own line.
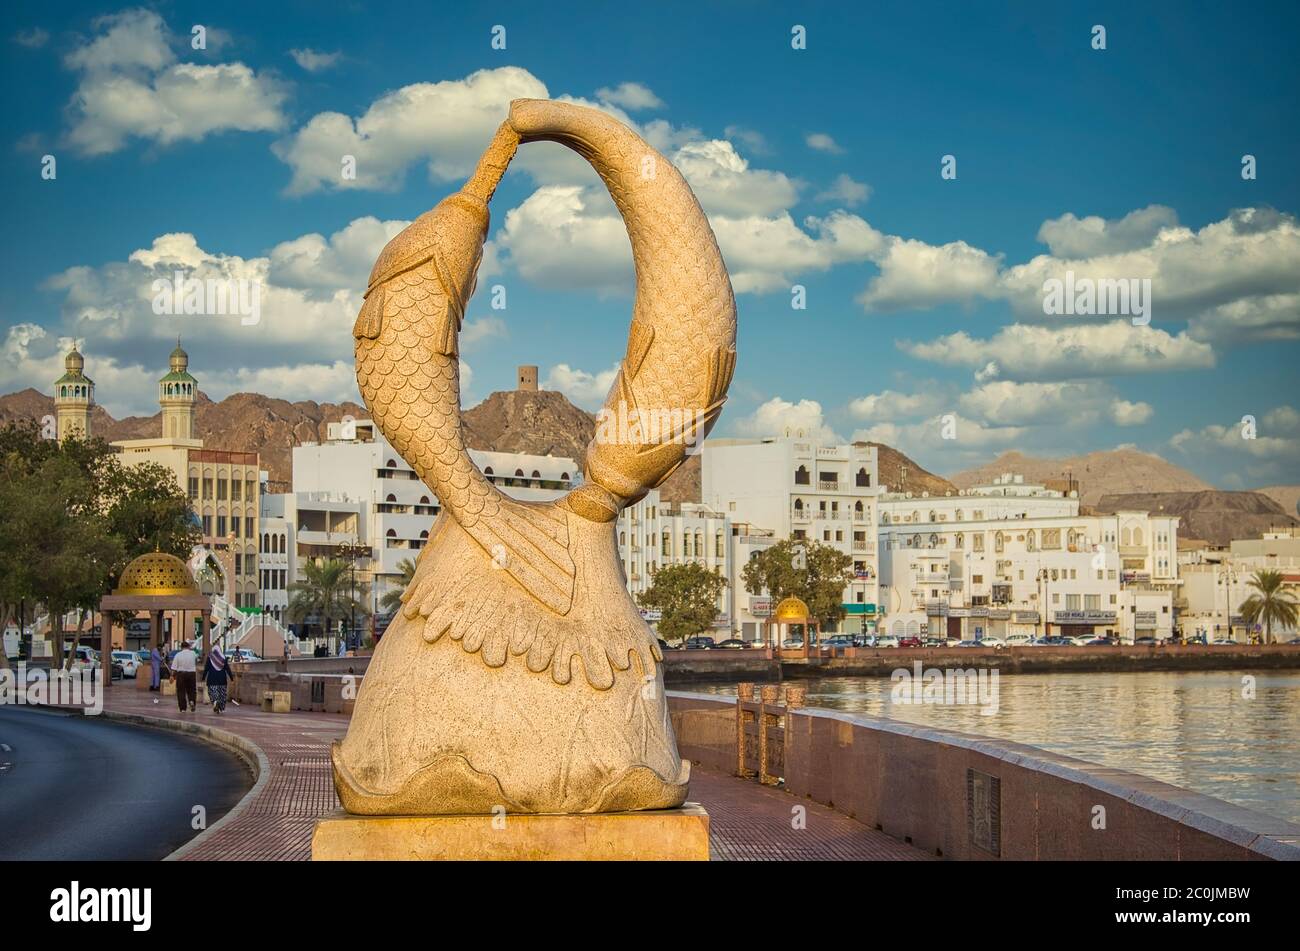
(352,551)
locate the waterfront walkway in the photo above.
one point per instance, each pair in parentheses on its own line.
(748,822)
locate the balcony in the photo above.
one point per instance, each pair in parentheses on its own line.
(800,515)
(828,485)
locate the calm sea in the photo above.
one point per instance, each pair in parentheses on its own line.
(1199,730)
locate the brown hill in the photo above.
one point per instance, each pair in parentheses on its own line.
(1287,496)
(1215,516)
(543,422)
(1107,472)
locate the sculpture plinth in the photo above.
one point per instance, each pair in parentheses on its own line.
(678,835)
(519,677)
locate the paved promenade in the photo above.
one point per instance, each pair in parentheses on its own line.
(748,822)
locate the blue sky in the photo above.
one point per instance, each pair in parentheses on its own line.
(818,167)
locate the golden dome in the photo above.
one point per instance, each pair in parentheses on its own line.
(156,573)
(791,610)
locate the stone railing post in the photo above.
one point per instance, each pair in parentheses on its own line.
(744,695)
(771,695)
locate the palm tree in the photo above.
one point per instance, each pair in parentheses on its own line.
(325,592)
(392,599)
(1270,604)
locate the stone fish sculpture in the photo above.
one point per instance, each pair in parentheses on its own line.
(519,673)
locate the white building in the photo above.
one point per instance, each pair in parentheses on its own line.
(355,489)
(1024,561)
(796,489)
(653,534)
(1217,581)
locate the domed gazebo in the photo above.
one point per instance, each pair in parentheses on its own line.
(154,582)
(789,612)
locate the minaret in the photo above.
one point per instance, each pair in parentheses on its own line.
(74,395)
(177,392)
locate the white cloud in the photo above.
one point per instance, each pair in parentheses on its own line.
(584,389)
(766,254)
(344,260)
(131,86)
(1125,413)
(478,329)
(927,436)
(889,405)
(777,417)
(1072,237)
(845,189)
(566,236)
(1006,403)
(1032,352)
(313,60)
(631,96)
(444,124)
(916,274)
(822,142)
(1273,455)
(725,184)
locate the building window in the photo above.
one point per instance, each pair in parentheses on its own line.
(234,491)
(667,550)
(718,543)
(207,487)
(248,527)
(801,476)
(239,564)
(221,526)
(207,525)
(194,487)
(221,490)
(862,478)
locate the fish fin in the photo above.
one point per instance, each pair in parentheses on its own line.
(639,339)
(371,318)
(531,544)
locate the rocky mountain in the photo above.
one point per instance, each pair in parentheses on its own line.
(1287,496)
(902,474)
(1214,516)
(542,422)
(1107,472)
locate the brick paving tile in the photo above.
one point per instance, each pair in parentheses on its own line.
(748,822)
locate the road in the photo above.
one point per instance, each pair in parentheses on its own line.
(78,787)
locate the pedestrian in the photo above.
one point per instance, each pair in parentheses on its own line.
(217,675)
(183,668)
(155,669)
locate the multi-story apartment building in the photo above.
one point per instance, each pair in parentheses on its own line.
(797,489)
(1021,567)
(653,534)
(1217,581)
(354,489)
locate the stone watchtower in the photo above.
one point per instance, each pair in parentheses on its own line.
(177,394)
(528,379)
(74,396)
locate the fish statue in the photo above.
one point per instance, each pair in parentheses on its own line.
(518,674)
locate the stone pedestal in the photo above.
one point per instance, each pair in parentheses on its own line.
(680,834)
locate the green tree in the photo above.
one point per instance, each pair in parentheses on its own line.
(392,599)
(687,597)
(1270,604)
(815,573)
(325,592)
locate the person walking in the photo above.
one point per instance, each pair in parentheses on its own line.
(155,668)
(217,675)
(184,666)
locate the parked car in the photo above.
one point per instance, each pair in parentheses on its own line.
(934,642)
(1018,640)
(129,661)
(792,643)
(1223,642)
(699,643)
(732,644)
(1101,641)
(1148,641)
(1294,640)
(838,640)
(886,640)
(969,643)
(910,640)
(242,655)
(990,640)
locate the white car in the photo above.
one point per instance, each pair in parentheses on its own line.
(886,640)
(988,640)
(129,660)
(1018,640)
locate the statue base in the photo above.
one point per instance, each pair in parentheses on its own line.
(680,834)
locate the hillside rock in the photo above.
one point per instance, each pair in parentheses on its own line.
(1215,516)
(1107,472)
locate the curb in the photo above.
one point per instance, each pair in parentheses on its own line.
(246,750)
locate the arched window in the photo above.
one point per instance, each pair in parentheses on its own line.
(1137,536)
(424,534)
(932,518)
(798,505)
(424,500)
(857,509)
(564,476)
(391,498)
(960,539)
(998,542)
(488,472)
(719,545)
(1030,543)
(862,478)
(519,473)
(391,533)
(622,539)
(699,544)
(391,464)
(536,474)
(801,476)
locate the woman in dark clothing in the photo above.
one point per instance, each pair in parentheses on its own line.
(217,674)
